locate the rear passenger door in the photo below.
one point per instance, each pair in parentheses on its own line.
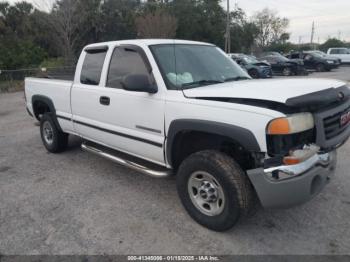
(132,122)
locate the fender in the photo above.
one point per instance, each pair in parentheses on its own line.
(50,104)
(243,136)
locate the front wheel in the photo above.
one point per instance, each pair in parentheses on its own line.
(287,71)
(53,139)
(320,68)
(214,190)
(254,73)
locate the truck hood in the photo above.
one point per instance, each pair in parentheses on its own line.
(275,90)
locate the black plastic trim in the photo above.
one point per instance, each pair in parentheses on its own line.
(96,49)
(29,113)
(50,104)
(64,118)
(241,135)
(149,129)
(114,132)
(141,52)
(323,97)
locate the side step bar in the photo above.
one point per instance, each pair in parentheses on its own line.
(109,154)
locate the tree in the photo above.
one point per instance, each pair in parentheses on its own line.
(200,20)
(17,48)
(270,27)
(64,21)
(332,42)
(158,24)
(118,18)
(243,32)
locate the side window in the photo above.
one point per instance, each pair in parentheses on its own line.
(342,51)
(124,61)
(334,51)
(92,67)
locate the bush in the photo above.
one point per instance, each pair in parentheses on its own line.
(20,54)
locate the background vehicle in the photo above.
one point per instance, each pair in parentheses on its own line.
(315,61)
(283,65)
(325,55)
(342,53)
(255,68)
(167,107)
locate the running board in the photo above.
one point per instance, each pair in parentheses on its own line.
(121,159)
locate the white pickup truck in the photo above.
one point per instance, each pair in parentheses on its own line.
(167,107)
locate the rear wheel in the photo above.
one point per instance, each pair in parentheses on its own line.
(320,68)
(53,139)
(214,190)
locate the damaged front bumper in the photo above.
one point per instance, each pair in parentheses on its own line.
(286,186)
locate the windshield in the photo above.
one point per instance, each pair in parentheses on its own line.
(250,60)
(320,53)
(190,66)
(316,54)
(281,58)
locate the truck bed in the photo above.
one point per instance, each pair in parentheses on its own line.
(56,90)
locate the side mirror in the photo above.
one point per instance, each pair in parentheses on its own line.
(138,83)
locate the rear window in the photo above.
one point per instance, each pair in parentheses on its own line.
(92,67)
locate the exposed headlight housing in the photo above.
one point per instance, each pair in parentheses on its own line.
(291,124)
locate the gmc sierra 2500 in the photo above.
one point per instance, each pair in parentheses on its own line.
(168,107)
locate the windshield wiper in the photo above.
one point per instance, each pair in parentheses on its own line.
(237,78)
(201,82)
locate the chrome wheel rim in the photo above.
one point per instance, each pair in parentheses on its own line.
(48,132)
(206,193)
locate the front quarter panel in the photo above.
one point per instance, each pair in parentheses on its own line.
(250,118)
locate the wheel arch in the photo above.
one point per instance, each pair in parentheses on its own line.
(43,104)
(209,134)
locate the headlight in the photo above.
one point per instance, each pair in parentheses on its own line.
(330,61)
(292,124)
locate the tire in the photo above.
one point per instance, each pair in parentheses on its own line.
(254,73)
(54,140)
(287,71)
(320,68)
(235,200)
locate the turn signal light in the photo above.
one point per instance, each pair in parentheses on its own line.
(279,126)
(291,124)
(291,160)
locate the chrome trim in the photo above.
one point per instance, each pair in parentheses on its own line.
(127,163)
(298,169)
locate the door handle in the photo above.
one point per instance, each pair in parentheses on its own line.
(104,100)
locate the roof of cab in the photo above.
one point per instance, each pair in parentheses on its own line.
(148,42)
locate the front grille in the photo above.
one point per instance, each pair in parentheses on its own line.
(332,126)
(329,131)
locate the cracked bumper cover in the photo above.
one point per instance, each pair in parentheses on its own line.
(305,181)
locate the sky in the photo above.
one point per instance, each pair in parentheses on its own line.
(331,17)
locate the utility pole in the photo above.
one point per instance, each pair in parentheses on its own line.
(228,31)
(312,33)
